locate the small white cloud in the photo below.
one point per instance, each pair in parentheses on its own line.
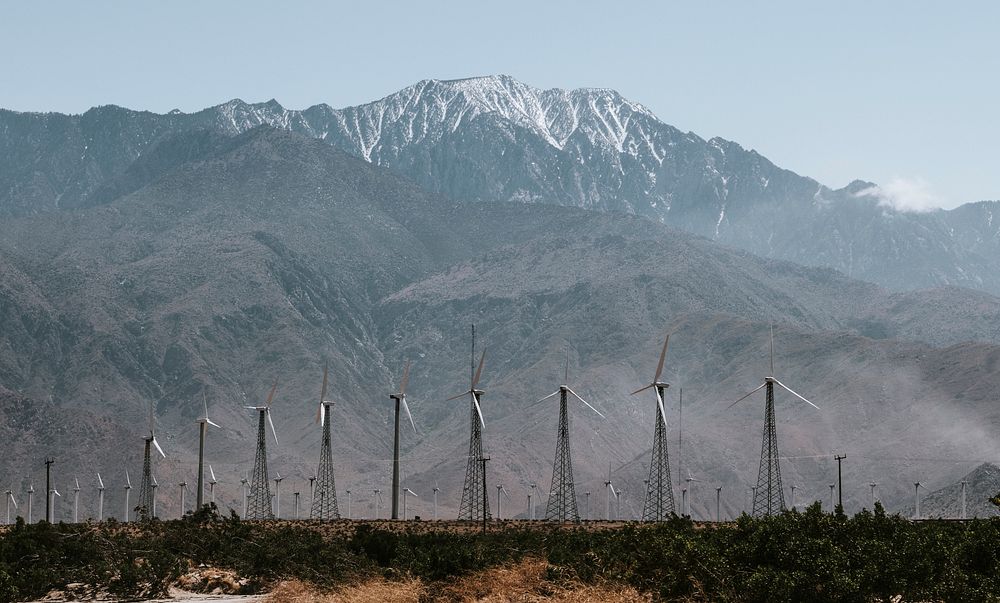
(904,194)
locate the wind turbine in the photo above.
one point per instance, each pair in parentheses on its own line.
(31,492)
(259,506)
(211,484)
(405,492)
(435,501)
(277,494)
(183,487)
(475,503)
(690,492)
(324,507)
(246,495)
(562,495)
(203,424)
(10,500)
(100,498)
(501,490)
(400,400)
(378,502)
(718,503)
(916,496)
(659,503)
(348,504)
(873,485)
(610,489)
(76,501)
(531,505)
(769,497)
(128,488)
(53,494)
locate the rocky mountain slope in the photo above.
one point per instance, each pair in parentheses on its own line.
(497,139)
(216,264)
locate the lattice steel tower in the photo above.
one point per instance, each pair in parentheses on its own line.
(259,504)
(659,495)
(144,508)
(324,499)
(769,498)
(562,494)
(475,505)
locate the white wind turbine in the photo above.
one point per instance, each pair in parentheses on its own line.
(53,494)
(31,493)
(100,498)
(203,424)
(128,488)
(76,501)
(10,501)
(183,487)
(688,493)
(501,490)
(400,399)
(610,490)
(211,484)
(405,492)
(277,494)
(246,496)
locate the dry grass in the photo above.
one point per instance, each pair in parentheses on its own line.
(525,582)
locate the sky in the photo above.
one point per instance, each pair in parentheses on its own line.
(903,94)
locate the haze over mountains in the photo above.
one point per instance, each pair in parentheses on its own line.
(154,258)
(496,139)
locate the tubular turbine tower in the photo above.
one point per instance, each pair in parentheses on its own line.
(768,497)
(562,495)
(323,505)
(400,400)
(659,504)
(259,502)
(475,505)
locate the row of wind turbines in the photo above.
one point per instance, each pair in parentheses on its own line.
(562,505)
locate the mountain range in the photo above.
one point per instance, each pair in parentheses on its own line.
(497,139)
(179,257)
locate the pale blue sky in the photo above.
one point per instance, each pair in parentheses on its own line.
(901,93)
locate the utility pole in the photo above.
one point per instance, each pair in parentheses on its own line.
(963,499)
(840,482)
(718,506)
(48,490)
(486,501)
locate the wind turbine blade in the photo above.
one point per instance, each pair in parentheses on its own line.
(566,372)
(212,423)
(212,472)
(158,449)
(479,371)
(406,407)
(322,391)
(128,480)
(663,413)
(99,480)
(250,407)
(762,386)
(270,396)
(772,350)
(319,414)
(56,492)
(12,500)
(479,411)
(791,391)
(587,404)
(406,379)
(77,483)
(663,356)
(271,423)
(465,393)
(555,393)
(642,389)
(412,493)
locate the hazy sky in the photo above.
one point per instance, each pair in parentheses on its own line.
(901,93)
